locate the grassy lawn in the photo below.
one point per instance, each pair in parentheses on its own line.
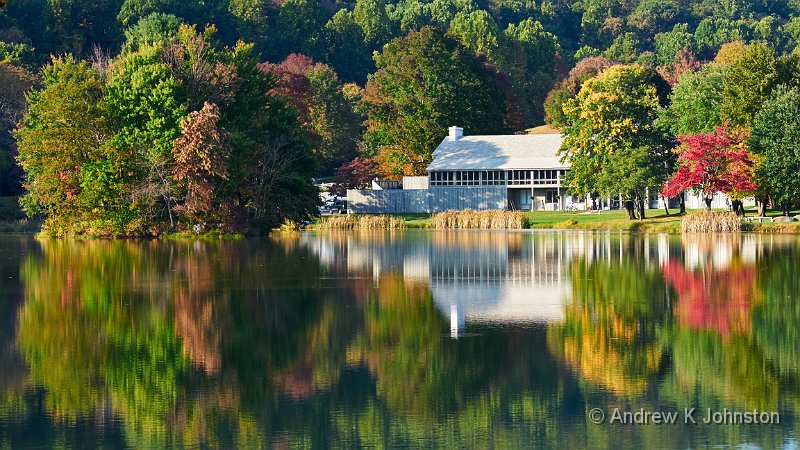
(656,220)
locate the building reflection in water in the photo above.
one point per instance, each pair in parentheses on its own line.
(516,277)
(483,277)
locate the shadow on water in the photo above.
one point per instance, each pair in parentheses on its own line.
(396,339)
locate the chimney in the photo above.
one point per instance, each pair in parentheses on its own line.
(456,133)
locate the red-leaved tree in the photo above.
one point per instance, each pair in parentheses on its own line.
(357,174)
(713,162)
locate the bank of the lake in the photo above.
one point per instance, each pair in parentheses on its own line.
(656,221)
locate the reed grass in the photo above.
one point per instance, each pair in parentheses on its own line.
(483,220)
(360,222)
(711,222)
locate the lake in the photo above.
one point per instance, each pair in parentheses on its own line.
(401,339)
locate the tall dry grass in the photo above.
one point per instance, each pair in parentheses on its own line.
(360,222)
(484,220)
(711,222)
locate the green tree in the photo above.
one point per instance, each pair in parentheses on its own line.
(611,141)
(748,84)
(775,136)
(426,82)
(333,118)
(146,104)
(533,64)
(300,23)
(695,101)
(371,16)
(624,49)
(670,43)
(478,32)
(80,24)
(347,52)
(74,176)
(155,29)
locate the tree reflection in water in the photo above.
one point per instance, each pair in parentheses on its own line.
(344,339)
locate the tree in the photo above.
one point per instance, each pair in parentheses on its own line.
(669,44)
(569,87)
(748,84)
(611,141)
(74,176)
(201,159)
(347,52)
(329,116)
(684,61)
(425,83)
(534,63)
(775,137)
(371,16)
(300,23)
(110,151)
(356,174)
(695,101)
(711,163)
(478,32)
(154,29)
(146,104)
(624,49)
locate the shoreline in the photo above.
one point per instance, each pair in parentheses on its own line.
(545,220)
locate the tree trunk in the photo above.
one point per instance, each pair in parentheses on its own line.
(738,207)
(762,206)
(682,203)
(641,205)
(708,203)
(628,204)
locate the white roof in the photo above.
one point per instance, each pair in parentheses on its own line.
(502,152)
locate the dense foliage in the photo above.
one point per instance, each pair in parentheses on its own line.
(182,135)
(711,163)
(375,79)
(611,140)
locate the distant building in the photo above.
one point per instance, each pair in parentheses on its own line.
(514,172)
(507,172)
(525,168)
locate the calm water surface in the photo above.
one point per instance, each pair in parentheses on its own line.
(422,339)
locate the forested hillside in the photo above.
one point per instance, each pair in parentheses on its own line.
(374,79)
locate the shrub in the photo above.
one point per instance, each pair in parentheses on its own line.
(711,222)
(360,222)
(485,220)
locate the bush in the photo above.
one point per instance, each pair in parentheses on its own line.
(484,220)
(711,222)
(363,222)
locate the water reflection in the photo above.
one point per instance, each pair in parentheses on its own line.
(347,339)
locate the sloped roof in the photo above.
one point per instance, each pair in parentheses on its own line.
(503,152)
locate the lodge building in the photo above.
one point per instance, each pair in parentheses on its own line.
(506,172)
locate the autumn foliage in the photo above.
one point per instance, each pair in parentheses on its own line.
(357,174)
(713,162)
(201,156)
(717,300)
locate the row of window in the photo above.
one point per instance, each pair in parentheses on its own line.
(496,177)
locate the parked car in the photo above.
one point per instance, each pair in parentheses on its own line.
(334,206)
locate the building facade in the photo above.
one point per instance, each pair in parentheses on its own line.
(507,172)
